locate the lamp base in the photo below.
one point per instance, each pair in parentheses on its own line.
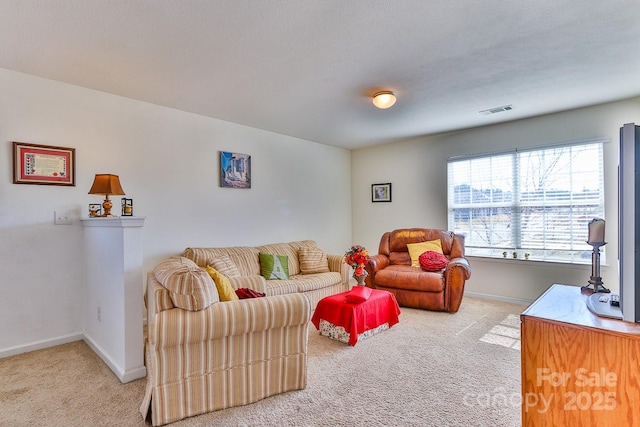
(598,287)
(106,207)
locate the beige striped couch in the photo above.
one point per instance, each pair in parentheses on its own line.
(236,352)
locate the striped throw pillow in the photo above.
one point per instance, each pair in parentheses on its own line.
(190,287)
(225,265)
(312,260)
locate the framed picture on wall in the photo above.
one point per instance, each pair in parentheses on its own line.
(95,210)
(381,192)
(43,164)
(235,170)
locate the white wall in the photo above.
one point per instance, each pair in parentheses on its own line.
(167,161)
(417,170)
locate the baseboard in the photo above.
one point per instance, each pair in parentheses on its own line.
(123,376)
(40,345)
(499,298)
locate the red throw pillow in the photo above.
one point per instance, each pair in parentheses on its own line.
(358,294)
(433,261)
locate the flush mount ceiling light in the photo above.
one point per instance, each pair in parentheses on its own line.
(384,99)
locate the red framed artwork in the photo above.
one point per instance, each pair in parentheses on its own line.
(43,164)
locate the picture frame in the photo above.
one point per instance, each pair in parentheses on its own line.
(95,210)
(381,192)
(235,170)
(43,164)
(127,206)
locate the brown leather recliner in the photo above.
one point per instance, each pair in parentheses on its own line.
(391,270)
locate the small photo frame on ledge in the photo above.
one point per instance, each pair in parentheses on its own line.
(381,192)
(127,207)
(95,210)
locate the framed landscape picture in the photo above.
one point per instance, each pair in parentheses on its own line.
(235,170)
(381,192)
(43,164)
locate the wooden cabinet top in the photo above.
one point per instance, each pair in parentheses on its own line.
(567,304)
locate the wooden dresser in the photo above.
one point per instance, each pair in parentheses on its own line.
(578,369)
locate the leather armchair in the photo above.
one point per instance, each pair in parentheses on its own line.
(391,270)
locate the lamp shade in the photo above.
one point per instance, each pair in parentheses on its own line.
(107,184)
(384,99)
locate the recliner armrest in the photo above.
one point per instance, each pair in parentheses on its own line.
(378,262)
(461,263)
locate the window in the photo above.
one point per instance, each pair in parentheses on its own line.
(536,202)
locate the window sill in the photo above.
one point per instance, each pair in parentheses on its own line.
(532,261)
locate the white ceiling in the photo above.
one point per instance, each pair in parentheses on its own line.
(307,68)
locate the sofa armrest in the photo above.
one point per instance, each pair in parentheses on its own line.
(157,297)
(178,327)
(337,264)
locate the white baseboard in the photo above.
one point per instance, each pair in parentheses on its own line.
(123,376)
(40,345)
(499,298)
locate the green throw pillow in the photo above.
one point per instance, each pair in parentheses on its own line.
(274,267)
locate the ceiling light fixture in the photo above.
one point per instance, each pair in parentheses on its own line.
(384,99)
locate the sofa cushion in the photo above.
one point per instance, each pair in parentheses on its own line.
(312,260)
(417,249)
(225,290)
(409,278)
(274,267)
(433,261)
(190,287)
(225,265)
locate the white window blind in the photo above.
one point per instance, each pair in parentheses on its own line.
(536,202)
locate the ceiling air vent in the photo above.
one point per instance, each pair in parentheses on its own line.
(496,110)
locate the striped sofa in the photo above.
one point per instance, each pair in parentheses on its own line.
(314,285)
(209,355)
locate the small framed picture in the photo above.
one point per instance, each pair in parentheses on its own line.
(127,207)
(381,192)
(235,170)
(95,210)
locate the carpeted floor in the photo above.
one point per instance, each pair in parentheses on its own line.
(431,369)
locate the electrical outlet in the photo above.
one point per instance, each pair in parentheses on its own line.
(62,218)
(99,314)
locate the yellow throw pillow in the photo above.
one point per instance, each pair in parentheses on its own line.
(417,249)
(225,290)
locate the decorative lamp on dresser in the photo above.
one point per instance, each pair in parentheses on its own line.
(578,369)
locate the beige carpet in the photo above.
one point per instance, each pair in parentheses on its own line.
(431,369)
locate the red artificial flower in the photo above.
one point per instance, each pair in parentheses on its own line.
(357,257)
